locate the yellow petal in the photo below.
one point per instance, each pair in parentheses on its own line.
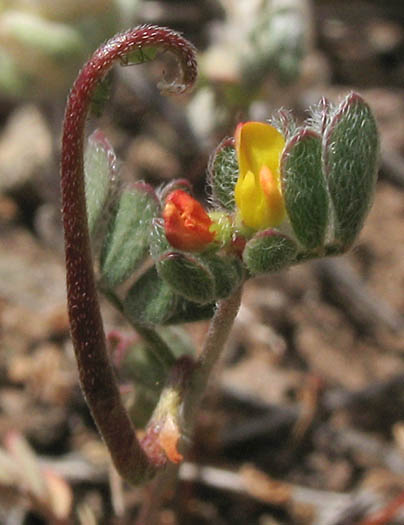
(258,144)
(251,201)
(275,203)
(258,195)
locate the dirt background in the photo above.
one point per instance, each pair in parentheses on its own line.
(304,423)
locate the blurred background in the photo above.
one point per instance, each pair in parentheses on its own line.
(304,423)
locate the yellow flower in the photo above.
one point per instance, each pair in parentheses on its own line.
(258,193)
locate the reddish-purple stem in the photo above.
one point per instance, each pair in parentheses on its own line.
(95,370)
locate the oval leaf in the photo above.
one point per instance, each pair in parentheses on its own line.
(158,240)
(127,242)
(189,312)
(100,169)
(351,163)
(227,272)
(223,174)
(269,251)
(150,300)
(188,276)
(304,188)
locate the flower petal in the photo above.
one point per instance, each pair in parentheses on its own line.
(258,144)
(275,202)
(257,193)
(186,223)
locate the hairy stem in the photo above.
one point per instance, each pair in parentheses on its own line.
(96,374)
(195,386)
(216,338)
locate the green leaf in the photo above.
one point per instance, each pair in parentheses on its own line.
(269,251)
(140,56)
(141,366)
(304,188)
(223,174)
(284,122)
(127,243)
(150,300)
(189,312)
(188,276)
(100,169)
(158,240)
(178,339)
(227,272)
(101,96)
(351,163)
(218,276)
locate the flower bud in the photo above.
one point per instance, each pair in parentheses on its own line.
(186,223)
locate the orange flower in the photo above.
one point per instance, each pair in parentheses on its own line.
(186,223)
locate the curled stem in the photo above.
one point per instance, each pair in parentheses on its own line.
(96,374)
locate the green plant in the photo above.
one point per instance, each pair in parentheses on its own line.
(280,194)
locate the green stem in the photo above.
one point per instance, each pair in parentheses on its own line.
(215,341)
